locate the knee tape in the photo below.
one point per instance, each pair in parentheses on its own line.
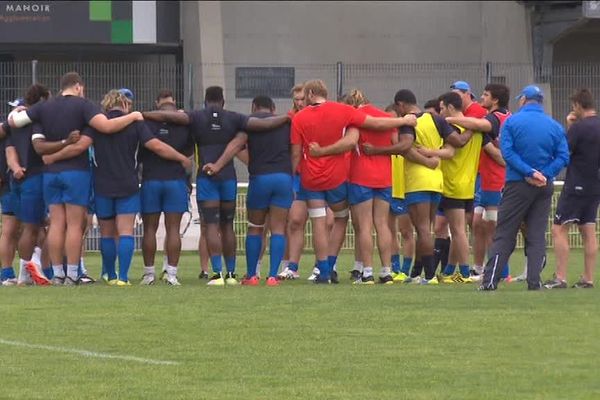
(318,212)
(227,214)
(209,215)
(342,213)
(479,210)
(490,215)
(251,225)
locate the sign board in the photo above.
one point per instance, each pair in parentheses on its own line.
(591,9)
(94,22)
(275,82)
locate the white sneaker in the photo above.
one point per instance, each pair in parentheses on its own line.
(416,280)
(172,280)
(10,282)
(520,278)
(289,274)
(315,274)
(24,278)
(148,279)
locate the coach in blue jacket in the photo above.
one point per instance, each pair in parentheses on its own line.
(535,149)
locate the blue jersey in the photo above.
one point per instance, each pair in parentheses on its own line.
(269,151)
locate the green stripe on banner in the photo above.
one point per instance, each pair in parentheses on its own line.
(100,10)
(122,32)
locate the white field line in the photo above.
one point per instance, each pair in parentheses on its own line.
(86,353)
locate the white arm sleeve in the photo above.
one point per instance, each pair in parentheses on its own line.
(20,119)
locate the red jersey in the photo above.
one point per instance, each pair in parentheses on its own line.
(324,124)
(373,171)
(475,110)
(493,175)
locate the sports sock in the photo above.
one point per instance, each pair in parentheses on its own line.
(230,264)
(108,250)
(253,246)
(36,257)
(359,266)
(22,270)
(449,269)
(445,253)
(505,272)
(428,266)
(385,271)
(406,263)
(276,251)
(324,269)
(149,270)
(58,271)
(7,273)
(332,260)
(417,269)
(82,269)
(464,270)
(396,263)
(73,271)
(171,270)
(217,263)
(293,266)
(258,265)
(125,254)
(367,271)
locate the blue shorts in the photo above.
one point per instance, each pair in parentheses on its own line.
(164,196)
(490,199)
(270,190)
(358,194)
(67,187)
(208,189)
(398,206)
(109,207)
(7,202)
(296,186)
(331,196)
(29,199)
(422,197)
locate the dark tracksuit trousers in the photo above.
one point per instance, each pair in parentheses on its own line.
(521,202)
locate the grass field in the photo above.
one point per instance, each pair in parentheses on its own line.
(299,341)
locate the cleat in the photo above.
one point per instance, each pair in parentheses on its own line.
(58,281)
(148,279)
(458,278)
(446,279)
(386,280)
(123,283)
(477,278)
(355,275)
(112,282)
(70,281)
(172,280)
(10,282)
(399,277)
(216,280)
(104,277)
(334,277)
(24,279)
(433,281)
(319,281)
(85,279)
(315,274)
(367,280)
(288,274)
(36,275)
(520,278)
(230,279)
(272,281)
(581,284)
(254,281)
(555,284)
(163,275)
(488,288)
(203,275)
(508,279)
(414,280)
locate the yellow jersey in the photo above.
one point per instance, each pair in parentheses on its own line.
(419,178)
(460,171)
(398,186)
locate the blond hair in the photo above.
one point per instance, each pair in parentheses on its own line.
(317,87)
(355,98)
(113,99)
(297,88)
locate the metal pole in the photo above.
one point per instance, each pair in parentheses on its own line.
(34,64)
(339,84)
(191,86)
(488,72)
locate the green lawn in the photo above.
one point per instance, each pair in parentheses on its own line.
(300,341)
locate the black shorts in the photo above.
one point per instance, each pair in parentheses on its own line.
(573,208)
(448,203)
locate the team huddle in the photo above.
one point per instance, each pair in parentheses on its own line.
(454,164)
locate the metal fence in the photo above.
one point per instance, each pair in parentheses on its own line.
(378,81)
